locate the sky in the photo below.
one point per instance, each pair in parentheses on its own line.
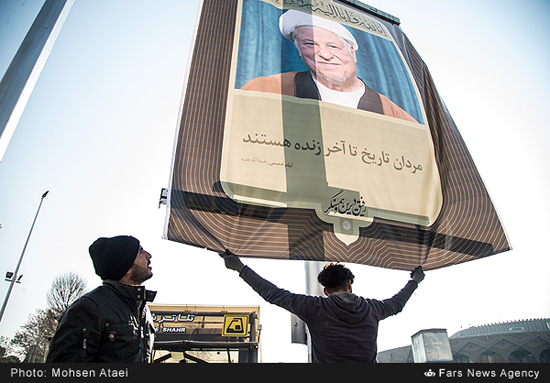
(98,133)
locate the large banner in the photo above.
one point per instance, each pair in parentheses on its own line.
(312,130)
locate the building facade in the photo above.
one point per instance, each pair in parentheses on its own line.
(526,341)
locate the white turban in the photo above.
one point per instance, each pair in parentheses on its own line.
(292,19)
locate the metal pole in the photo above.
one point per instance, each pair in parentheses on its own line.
(14,278)
(21,76)
(299,331)
(313,268)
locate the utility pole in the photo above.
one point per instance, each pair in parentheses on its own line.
(14,278)
(299,331)
(21,76)
(313,268)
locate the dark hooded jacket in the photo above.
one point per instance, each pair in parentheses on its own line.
(343,326)
(110,324)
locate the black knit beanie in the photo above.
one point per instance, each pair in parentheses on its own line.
(114,256)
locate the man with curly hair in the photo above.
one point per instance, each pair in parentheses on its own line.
(342,325)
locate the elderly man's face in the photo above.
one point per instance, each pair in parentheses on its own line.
(326,54)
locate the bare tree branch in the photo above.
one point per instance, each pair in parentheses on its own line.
(65,289)
(32,338)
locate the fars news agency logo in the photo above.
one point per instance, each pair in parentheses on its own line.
(429,373)
(500,373)
(444,373)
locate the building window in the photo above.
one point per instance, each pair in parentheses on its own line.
(490,357)
(521,356)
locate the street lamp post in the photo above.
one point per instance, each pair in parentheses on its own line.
(14,278)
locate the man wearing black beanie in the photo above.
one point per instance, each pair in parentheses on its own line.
(111,323)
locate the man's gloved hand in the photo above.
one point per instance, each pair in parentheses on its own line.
(232,261)
(417,274)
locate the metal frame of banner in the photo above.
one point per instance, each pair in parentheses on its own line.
(372,10)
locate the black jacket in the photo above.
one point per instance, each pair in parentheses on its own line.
(109,324)
(343,326)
